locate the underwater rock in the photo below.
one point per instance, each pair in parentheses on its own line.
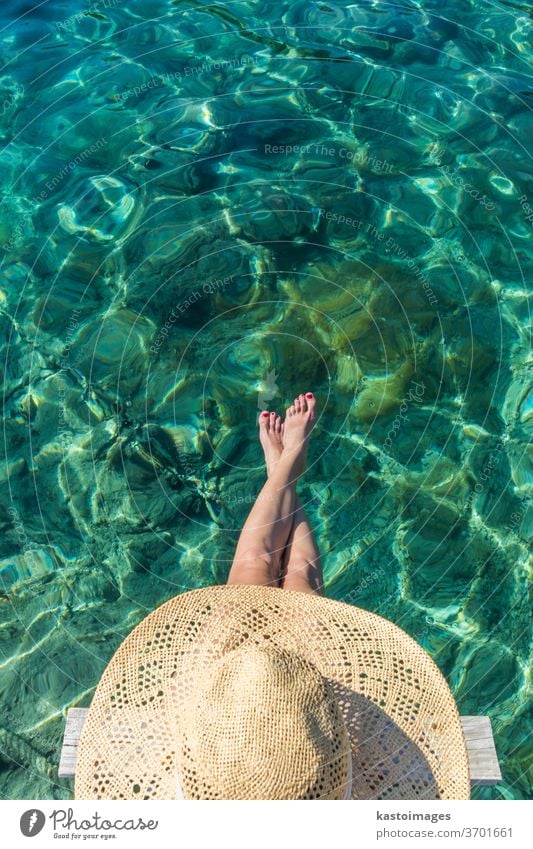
(526,408)
(521,463)
(104,210)
(226,448)
(380,395)
(440,564)
(475,432)
(34,564)
(16,750)
(14,365)
(442,477)
(525,517)
(261,215)
(194,269)
(110,351)
(491,673)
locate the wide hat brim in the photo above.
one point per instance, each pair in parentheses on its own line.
(406,735)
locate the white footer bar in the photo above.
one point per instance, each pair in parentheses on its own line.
(261,825)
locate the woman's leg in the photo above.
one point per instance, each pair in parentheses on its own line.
(302,566)
(266,531)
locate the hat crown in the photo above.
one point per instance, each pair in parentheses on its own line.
(263,723)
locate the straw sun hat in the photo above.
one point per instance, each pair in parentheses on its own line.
(246,692)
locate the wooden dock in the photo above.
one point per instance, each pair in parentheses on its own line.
(482,757)
(71,738)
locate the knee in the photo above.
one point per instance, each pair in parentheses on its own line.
(302,586)
(254,566)
(303,566)
(304,575)
(258,557)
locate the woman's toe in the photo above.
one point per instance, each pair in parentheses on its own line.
(310,400)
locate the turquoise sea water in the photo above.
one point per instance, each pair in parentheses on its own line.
(207,208)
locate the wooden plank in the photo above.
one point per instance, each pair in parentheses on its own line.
(482,757)
(69,752)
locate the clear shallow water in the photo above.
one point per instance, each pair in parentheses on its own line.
(209,207)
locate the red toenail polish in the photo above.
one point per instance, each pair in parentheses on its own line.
(309,395)
(265,413)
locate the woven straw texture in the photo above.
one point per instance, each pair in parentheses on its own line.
(403,724)
(300,748)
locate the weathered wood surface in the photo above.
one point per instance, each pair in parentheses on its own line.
(71,738)
(482,756)
(483,760)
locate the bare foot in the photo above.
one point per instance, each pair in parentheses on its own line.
(299,421)
(270,438)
